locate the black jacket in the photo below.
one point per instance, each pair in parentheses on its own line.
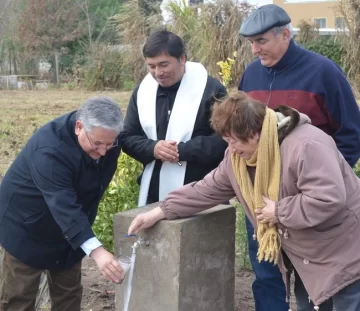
(49,197)
(203,152)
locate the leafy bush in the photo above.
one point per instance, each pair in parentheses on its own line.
(121,195)
(328,47)
(241,241)
(357,169)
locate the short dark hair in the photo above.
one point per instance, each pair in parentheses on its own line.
(238,115)
(163,41)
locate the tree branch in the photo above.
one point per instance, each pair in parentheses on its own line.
(3,9)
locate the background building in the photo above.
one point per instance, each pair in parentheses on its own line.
(324,14)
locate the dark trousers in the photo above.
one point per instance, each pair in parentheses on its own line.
(302,298)
(348,299)
(19,285)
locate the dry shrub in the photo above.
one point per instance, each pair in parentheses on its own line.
(105,68)
(210,32)
(307,32)
(350,9)
(133,26)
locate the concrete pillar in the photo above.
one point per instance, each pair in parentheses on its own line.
(188,266)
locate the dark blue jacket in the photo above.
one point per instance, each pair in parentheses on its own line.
(314,85)
(49,197)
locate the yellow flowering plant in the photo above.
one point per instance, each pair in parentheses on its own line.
(226,69)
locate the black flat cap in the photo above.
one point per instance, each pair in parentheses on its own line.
(263,19)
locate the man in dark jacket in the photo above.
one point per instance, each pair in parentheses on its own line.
(48,201)
(167,125)
(286,74)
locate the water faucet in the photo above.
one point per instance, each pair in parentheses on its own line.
(140,241)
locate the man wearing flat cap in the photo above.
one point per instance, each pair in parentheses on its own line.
(264,19)
(286,74)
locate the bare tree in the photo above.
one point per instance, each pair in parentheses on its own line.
(84,6)
(48,25)
(10,46)
(350,10)
(97,14)
(3,8)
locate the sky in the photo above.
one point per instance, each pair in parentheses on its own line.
(259,2)
(254,2)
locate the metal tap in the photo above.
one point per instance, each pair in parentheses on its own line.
(140,241)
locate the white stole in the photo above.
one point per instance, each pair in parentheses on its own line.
(180,127)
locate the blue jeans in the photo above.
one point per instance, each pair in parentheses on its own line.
(268,288)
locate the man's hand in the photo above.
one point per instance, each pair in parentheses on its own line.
(108,265)
(146,220)
(266,215)
(166,150)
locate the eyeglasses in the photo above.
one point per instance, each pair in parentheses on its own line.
(97,145)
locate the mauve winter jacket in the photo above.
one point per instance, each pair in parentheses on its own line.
(318,209)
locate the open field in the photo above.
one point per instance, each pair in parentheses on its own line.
(22,112)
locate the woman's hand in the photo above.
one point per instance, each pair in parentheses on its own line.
(267,215)
(146,220)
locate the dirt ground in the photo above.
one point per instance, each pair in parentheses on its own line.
(99,293)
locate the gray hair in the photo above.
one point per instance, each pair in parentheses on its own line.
(278,30)
(101,112)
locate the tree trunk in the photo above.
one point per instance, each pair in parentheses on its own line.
(10,65)
(57,68)
(15,65)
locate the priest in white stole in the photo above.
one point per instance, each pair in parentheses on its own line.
(167,124)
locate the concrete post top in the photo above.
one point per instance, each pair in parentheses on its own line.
(136,211)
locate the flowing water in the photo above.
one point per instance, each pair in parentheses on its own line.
(128,287)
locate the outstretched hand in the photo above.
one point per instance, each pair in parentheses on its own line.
(146,220)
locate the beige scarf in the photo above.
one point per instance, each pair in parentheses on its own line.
(267,182)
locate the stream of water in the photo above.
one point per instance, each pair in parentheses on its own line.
(128,286)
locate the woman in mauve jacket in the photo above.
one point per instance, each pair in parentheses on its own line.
(300,194)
